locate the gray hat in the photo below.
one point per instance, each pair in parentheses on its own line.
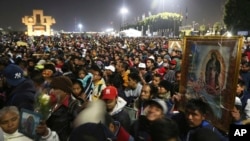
(159,102)
(167,57)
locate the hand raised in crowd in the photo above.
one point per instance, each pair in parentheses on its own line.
(235,114)
(176,97)
(42,129)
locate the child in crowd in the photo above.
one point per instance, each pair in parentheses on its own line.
(78,91)
(86,79)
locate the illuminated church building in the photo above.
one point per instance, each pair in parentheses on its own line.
(38,24)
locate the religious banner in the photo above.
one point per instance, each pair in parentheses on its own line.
(175,45)
(211,69)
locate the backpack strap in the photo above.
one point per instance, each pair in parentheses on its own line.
(99,89)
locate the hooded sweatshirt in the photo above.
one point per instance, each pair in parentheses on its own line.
(118,114)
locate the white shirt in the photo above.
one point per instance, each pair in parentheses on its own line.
(15,137)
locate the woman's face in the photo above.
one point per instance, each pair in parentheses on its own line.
(77,89)
(9,122)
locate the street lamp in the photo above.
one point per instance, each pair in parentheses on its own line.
(80,27)
(123,11)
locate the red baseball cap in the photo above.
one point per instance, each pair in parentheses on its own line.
(173,62)
(110,92)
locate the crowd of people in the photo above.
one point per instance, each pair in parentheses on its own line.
(105,88)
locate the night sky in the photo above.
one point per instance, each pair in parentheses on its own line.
(98,15)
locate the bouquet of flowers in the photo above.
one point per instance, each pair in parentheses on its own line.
(43,105)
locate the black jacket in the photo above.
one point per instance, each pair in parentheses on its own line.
(61,119)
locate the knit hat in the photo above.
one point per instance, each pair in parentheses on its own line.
(166,84)
(50,66)
(110,92)
(13,74)
(167,57)
(63,83)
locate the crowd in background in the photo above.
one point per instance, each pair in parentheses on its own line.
(106,88)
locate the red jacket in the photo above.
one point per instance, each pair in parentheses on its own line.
(122,134)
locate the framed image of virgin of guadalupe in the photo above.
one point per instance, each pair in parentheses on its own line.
(210,69)
(29,120)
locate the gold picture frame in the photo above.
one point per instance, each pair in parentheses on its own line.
(211,72)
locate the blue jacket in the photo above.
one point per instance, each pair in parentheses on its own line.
(22,96)
(206,124)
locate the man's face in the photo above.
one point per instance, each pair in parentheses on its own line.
(156,81)
(194,117)
(239,89)
(149,64)
(154,112)
(56,95)
(162,90)
(145,93)
(47,73)
(159,60)
(132,83)
(118,67)
(178,77)
(9,122)
(136,61)
(96,76)
(76,61)
(172,66)
(245,68)
(110,104)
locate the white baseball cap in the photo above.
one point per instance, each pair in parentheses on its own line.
(142,65)
(110,67)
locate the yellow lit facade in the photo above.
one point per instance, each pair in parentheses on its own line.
(38,24)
